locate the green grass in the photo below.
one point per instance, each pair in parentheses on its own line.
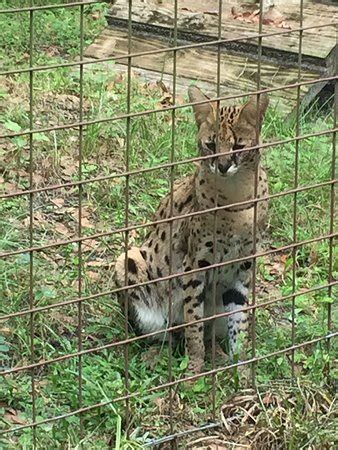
(55,160)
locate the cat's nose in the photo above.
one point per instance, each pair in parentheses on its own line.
(223,167)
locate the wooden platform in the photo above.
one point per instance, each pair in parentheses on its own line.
(152,26)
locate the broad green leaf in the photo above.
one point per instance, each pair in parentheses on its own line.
(12,126)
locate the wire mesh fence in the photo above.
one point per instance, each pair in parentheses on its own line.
(55,376)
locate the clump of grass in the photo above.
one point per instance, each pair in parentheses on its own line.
(56,32)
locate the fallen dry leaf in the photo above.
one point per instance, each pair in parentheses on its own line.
(23,173)
(9,188)
(49,259)
(52,51)
(38,179)
(12,416)
(89,245)
(94,276)
(96,15)
(85,223)
(5,331)
(85,211)
(273,17)
(74,212)
(58,202)
(63,318)
(38,219)
(97,263)
(69,170)
(117,80)
(313,257)
(61,228)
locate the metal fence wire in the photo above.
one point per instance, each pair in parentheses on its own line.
(32,311)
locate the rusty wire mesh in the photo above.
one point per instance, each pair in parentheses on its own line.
(34,366)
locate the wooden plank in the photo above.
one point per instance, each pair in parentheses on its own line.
(198,21)
(238,73)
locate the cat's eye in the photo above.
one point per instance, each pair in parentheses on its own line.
(238,146)
(211,145)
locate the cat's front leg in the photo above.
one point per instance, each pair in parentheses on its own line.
(193,287)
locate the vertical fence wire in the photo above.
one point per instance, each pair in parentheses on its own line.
(171,206)
(332,202)
(215,221)
(80,194)
(31,217)
(295,196)
(255,194)
(126,218)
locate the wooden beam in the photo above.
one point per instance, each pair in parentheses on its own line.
(198,21)
(238,73)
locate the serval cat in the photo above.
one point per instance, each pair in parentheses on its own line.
(232,177)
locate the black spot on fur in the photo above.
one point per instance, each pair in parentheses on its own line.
(190,311)
(195,283)
(200,328)
(203,263)
(159,273)
(192,283)
(151,258)
(209,244)
(144,254)
(246,265)
(150,243)
(166,259)
(132,266)
(163,235)
(148,289)
(187,299)
(233,296)
(200,298)
(183,204)
(156,248)
(202,182)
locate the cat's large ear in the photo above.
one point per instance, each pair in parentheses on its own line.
(251,111)
(203,113)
